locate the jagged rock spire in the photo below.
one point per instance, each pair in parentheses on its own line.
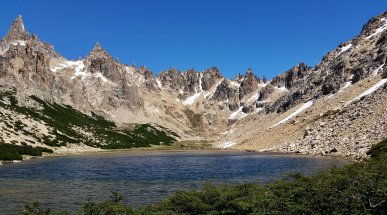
(98,52)
(17,31)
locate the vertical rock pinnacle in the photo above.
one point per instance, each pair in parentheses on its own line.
(17,31)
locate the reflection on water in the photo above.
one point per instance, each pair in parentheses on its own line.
(142,177)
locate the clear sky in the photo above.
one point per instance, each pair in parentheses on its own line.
(270,36)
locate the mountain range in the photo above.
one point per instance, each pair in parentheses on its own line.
(337,107)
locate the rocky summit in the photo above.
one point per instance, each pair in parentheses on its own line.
(337,107)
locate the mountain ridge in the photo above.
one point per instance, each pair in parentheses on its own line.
(196,105)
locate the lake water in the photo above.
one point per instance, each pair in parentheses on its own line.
(141,177)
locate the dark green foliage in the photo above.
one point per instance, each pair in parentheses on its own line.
(378,150)
(14,152)
(66,123)
(35,209)
(114,206)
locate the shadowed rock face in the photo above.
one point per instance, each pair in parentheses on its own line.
(384,75)
(149,80)
(99,61)
(265,92)
(223,92)
(288,78)
(192,79)
(249,84)
(210,77)
(172,78)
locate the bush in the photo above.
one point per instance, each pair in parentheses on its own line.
(10,152)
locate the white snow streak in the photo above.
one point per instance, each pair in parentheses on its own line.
(370,90)
(226,144)
(190,100)
(375,72)
(159,83)
(237,113)
(20,42)
(213,90)
(200,81)
(227,132)
(344,49)
(282,89)
(234,83)
(379,30)
(302,108)
(347,84)
(254,97)
(99,75)
(78,66)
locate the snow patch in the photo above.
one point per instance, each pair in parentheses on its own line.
(130,70)
(302,108)
(347,84)
(19,42)
(213,90)
(282,89)
(234,84)
(254,97)
(370,90)
(79,69)
(258,109)
(227,132)
(238,113)
(78,66)
(159,83)
(379,30)
(99,75)
(344,49)
(226,144)
(190,100)
(375,72)
(200,81)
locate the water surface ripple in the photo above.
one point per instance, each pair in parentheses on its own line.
(142,177)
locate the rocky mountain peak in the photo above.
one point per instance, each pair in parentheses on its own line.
(210,78)
(249,84)
(17,31)
(98,52)
(374,23)
(249,72)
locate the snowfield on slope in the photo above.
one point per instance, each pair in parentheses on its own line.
(226,144)
(295,113)
(190,100)
(239,113)
(370,90)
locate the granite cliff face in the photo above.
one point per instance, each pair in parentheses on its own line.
(198,104)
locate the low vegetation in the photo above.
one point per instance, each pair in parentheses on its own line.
(359,188)
(10,152)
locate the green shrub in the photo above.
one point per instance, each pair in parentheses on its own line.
(14,152)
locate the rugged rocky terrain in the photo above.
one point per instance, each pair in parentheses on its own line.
(337,107)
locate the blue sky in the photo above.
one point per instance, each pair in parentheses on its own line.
(268,36)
